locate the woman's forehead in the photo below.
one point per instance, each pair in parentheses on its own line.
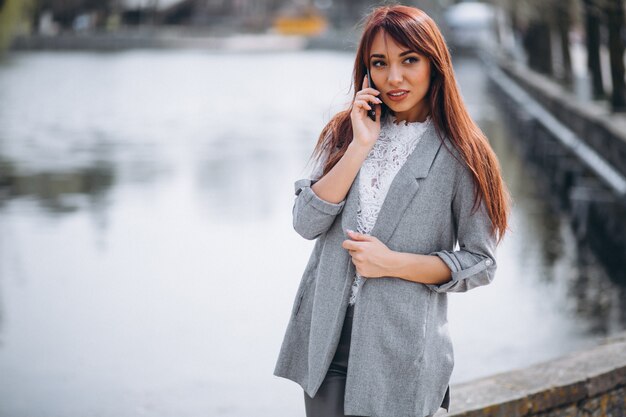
(384,44)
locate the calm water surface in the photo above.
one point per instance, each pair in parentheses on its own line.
(147,260)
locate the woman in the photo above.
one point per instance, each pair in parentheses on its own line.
(395,191)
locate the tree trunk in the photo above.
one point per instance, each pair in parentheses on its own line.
(538,46)
(615,21)
(592,38)
(563,21)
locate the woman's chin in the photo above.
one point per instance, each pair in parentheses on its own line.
(394,109)
(397,108)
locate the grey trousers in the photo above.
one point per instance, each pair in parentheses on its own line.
(328,401)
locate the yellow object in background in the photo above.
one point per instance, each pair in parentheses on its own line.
(309,23)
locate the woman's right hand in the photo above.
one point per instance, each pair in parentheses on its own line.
(365,130)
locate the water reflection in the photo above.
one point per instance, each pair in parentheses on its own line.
(147,257)
(232,179)
(54,191)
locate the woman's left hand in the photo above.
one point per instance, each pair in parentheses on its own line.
(369,255)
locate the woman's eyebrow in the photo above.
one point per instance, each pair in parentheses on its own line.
(410,51)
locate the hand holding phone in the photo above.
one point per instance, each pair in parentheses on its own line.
(371,113)
(366,106)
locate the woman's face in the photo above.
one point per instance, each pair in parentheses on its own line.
(402,76)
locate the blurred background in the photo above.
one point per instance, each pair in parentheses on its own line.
(148,150)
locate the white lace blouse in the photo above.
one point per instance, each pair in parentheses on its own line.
(394,145)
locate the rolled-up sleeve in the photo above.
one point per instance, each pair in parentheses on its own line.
(312,216)
(474,264)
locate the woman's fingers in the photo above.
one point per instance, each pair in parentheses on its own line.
(365,87)
(371,91)
(351,245)
(366,96)
(362,104)
(369,98)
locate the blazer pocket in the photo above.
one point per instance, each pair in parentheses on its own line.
(301,294)
(298,303)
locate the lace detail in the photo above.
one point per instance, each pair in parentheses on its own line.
(394,145)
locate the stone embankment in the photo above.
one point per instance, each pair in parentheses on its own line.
(578,152)
(586,383)
(164,38)
(601,129)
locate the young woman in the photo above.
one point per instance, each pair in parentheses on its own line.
(394,193)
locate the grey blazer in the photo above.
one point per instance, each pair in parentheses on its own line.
(401,356)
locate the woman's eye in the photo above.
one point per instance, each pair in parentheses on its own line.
(378,63)
(412,59)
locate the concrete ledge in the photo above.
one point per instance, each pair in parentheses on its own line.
(572,382)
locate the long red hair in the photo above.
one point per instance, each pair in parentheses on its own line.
(414,29)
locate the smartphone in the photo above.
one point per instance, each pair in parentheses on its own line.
(371,113)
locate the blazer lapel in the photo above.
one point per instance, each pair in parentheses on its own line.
(402,190)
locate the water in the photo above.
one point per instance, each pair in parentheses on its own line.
(147,258)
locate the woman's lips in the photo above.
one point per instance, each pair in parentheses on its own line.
(397,95)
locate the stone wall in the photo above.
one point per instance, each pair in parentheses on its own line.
(585,383)
(591,120)
(574,172)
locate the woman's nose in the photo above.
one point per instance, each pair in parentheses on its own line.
(395,75)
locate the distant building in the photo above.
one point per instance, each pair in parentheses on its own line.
(237,15)
(218,12)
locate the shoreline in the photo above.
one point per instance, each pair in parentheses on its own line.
(168,39)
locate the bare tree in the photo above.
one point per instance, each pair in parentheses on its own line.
(563,17)
(592,40)
(533,18)
(614,10)
(538,46)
